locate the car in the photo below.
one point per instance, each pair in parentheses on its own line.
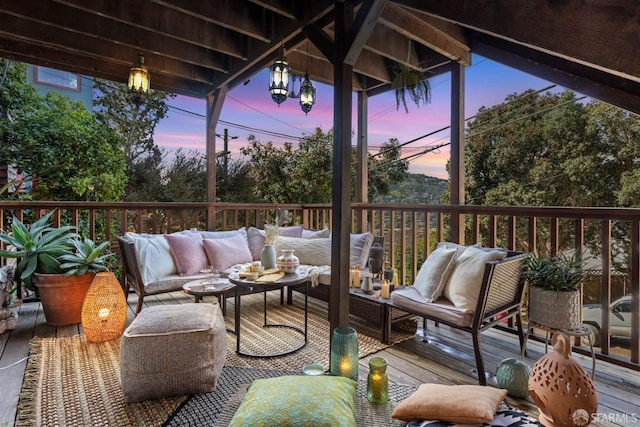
(619,318)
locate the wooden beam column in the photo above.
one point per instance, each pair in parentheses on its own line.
(214,107)
(341,197)
(362,167)
(457,151)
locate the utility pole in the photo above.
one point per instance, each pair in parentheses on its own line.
(225,137)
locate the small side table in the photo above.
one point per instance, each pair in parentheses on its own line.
(582,331)
(198,290)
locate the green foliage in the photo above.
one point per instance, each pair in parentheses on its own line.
(41,248)
(555,273)
(304,175)
(415,189)
(58,144)
(412,82)
(86,258)
(553,150)
(135,125)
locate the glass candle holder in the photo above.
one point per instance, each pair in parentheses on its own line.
(344,352)
(313,369)
(377,380)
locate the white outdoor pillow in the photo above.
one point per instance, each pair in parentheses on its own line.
(463,287)
(154,256)
(309,251)
(224,234)
(359,245)
(434,273)
(315,234)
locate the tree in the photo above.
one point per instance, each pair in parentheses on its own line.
(552,150)
(303,175)
(59,145)
(135,124)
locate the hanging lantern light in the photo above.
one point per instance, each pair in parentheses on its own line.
(139,80)
(104,311)
(307,94)
(279,78)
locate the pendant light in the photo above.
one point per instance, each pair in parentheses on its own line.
(139,80)
(307,91)
(279,78)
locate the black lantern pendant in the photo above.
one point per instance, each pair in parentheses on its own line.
(307,94)
(279,78)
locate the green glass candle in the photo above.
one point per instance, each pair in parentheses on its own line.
(377,380)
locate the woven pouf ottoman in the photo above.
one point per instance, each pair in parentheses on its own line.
(171,350)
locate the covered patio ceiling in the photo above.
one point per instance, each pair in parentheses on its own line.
(195,47)
(206,48)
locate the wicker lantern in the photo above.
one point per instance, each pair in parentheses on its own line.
(104,311)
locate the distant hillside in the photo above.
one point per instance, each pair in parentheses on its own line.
(416,189)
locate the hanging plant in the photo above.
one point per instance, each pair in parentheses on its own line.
(413,82)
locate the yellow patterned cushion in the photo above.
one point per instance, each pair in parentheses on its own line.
(298,401)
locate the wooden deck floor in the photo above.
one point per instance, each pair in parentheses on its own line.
(446,356)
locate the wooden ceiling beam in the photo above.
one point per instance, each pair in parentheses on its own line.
(362,27)
(233,15)
(104,69)
(111,31)
(439,39)
(277,6)
(69,42)
(599,34)
(161,21)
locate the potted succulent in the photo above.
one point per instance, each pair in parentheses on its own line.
(554,291)
(57,264)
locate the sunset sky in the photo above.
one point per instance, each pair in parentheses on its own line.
(250,106)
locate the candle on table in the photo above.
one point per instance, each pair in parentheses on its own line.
(385,289)
(394,281)
(356,277)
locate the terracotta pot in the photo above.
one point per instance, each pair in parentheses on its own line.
(62,297)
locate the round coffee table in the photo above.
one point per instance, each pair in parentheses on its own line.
(291,279)
(199,290)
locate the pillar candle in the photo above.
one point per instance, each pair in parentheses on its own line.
(345,368)
(356,277)
(394,281)
(385,289)
(376,385)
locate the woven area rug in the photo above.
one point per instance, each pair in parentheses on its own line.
(71,381)
(217,408)
(255,339)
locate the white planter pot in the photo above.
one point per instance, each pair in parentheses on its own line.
(555,309)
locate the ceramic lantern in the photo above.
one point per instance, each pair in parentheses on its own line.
(561,388)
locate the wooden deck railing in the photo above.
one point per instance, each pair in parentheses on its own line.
(606,238)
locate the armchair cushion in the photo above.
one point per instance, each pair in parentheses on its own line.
(434,273)
(463,287)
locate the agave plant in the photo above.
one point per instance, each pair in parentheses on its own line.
(39,247)
(86,258)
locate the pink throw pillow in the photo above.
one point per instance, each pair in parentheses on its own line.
(187,252)
(223,253)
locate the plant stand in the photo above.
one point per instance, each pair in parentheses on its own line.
(582,331)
